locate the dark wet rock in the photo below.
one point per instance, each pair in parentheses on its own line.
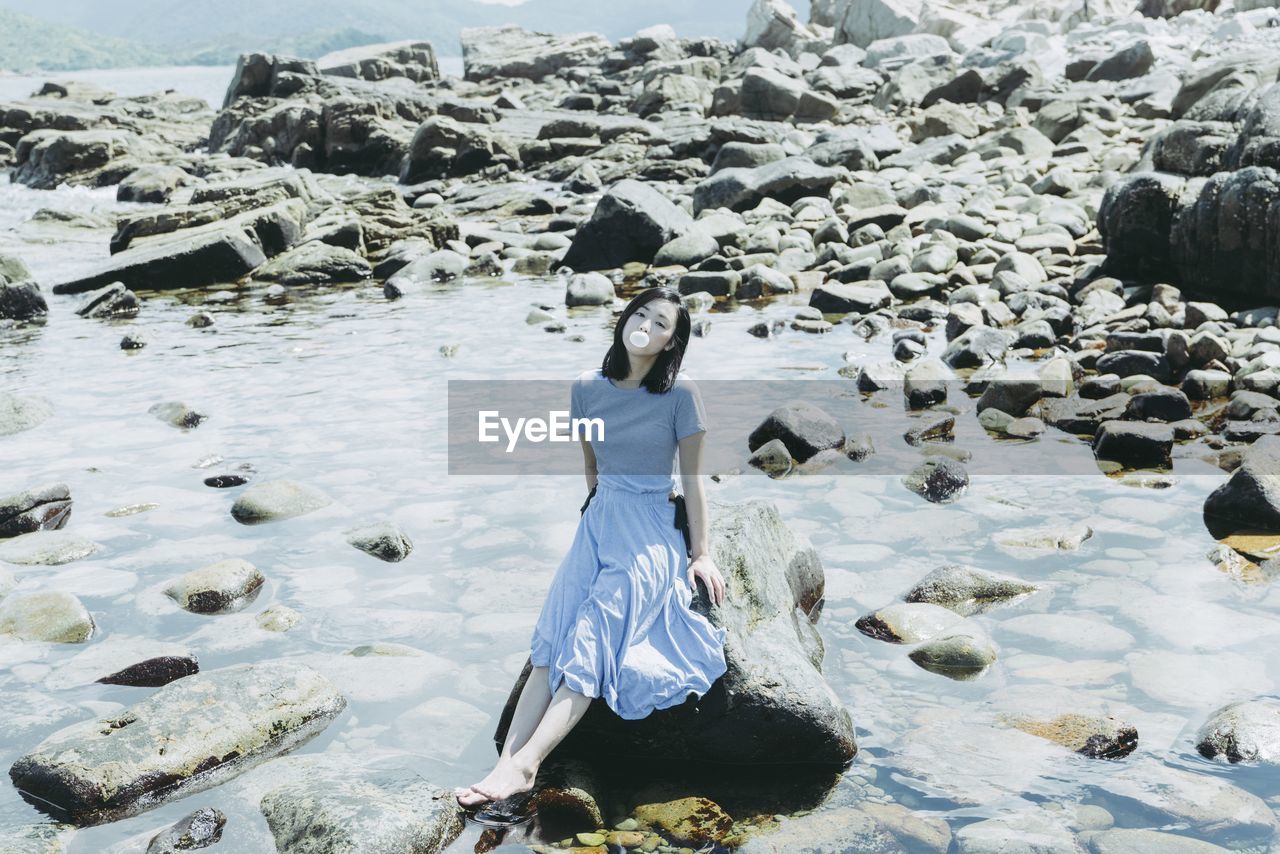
(191,258)
(275,500)
(1094,737)
(967,590)
(786,181)
(54,617)
(773,693)
(383,540)
(933,428)
(1014,397)
(939,481)
(1166,404)
(200,829)
(41,508)
(228,585)
(214,724)
(963,652)
(1134,444)
(836,298)
(123,660)
(115,300)
(1246,731)
(1250,499)
(507,52)
(910,622)
(631,222)
(46,158)
(322,806)
(804,429)
(1127,363)
(22,300)
(177,414)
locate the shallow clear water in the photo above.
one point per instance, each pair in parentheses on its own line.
(345,391)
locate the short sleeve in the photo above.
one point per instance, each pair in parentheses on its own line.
(577,400)
(690,414)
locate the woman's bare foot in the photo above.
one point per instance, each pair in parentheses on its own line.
(507,778)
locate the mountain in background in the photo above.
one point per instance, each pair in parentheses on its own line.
(66,34)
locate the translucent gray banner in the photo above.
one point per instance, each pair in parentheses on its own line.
(508,427)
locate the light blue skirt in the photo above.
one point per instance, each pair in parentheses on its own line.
(617,623)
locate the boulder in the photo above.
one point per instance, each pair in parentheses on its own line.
(22,301)
(804,429)
(772,706)
(444,147)
(315,263)
(502,52)
(153,182)
(221,587)
(866,21)
(1246,731)
(773,24)
(212,725)
(414,60)
(786,180)
(1134,444)
(631,222)
(1250,499)
(46,507)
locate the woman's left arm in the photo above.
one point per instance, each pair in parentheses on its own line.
(700,563)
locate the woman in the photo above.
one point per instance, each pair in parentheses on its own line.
(617,622)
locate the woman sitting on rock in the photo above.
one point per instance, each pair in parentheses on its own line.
(617,622)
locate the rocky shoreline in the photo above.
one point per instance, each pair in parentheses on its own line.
(1084,191)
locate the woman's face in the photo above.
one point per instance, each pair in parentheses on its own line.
(657,318)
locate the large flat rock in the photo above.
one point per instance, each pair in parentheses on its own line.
(188,736)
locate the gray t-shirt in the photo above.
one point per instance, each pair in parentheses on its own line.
(641,429)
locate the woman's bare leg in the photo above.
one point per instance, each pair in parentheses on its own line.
(535,696)
(517,771)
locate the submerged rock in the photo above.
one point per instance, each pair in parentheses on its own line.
(200,829)
(274,500)
(324,807)
(910,622)
(963,652)
(383,540)
(53,616)
(212,725)
(1095,737)
(967,590)
(1246,731)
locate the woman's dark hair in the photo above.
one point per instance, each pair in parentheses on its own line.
(662,376)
